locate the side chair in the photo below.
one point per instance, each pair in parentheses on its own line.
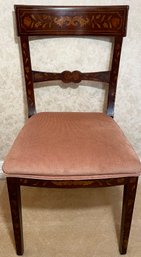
(71,149)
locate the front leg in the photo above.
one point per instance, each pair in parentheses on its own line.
(15,205)
(127,212)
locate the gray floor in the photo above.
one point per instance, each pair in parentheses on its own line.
(69,223)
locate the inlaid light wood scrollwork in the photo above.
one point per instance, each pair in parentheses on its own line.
(93,21)
(65,20)
(71,21)
(73,183)
(114,76)
(28,76)
(102,21)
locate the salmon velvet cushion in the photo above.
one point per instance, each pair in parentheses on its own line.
(71,146)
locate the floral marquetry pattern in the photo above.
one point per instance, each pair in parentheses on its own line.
(65,20)
(71,21)
(49,22)
(97,22)
(100,21)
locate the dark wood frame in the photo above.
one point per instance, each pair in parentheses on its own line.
(109,21)
(89,21)
(130,186)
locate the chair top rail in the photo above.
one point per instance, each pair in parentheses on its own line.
(34,20)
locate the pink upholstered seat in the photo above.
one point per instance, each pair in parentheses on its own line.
(71,146)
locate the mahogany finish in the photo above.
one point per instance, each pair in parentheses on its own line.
(110,21)
(15,204)
(71,21)
(70,183)
(68,76)
(127,211)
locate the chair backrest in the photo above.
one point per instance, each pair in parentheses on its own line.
(92,21)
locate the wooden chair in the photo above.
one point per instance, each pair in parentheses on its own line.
(71,150)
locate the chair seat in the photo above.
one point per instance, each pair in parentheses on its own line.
(71,146)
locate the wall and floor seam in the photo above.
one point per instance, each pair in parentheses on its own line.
(1,172)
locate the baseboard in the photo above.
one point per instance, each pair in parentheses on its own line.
(1,172)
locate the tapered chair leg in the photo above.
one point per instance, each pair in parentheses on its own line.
(15,205)
(127,211)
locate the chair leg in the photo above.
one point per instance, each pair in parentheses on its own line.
(15,205)
(127,211)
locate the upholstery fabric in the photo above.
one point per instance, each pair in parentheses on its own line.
(69,146)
